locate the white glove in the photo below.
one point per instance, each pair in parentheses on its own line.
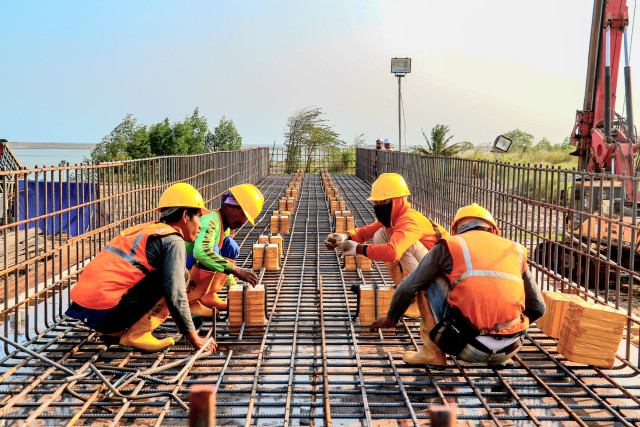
(333,240)
(348,247)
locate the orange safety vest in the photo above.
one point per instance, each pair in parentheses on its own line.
(486,281)
(118,267)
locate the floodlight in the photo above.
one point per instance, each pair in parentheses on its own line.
(400,65)
(502,143)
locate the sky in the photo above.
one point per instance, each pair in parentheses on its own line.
(70,71)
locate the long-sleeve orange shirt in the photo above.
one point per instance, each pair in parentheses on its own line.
(408,226)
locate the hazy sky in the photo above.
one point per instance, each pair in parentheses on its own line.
(71,70)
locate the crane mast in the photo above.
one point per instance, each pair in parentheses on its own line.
(604,142)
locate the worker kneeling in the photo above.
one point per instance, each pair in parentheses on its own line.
(215,251)
(475,293)
(139,278)
(401,235)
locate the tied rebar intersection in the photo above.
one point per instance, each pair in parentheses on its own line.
(311,363)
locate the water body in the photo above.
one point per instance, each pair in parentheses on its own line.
(38,154)
(32,157)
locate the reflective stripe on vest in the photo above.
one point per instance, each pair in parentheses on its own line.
(131,256)
(483,273)
(117,268)
(486,285)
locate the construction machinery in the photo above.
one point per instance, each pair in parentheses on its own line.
(600,226)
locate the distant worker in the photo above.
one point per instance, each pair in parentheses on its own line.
(139,278)
(401,235)
(387,145)
(215,251)
(378,144)
(476,295)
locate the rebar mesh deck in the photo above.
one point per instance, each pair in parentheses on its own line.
(311,364)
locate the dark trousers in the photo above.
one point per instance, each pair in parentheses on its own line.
(132,306)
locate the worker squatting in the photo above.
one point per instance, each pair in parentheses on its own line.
(472,289)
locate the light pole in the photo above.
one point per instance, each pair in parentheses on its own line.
(400,67)
(501,144)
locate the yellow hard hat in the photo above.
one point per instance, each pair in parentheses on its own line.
(250,200)
(388,186)
(473,211)
(181,195)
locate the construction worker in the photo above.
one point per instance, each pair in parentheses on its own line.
(401,235)
(387,145)
(139,278)
(215,251)
(476,295)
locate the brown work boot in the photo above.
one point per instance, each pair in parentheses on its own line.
(394,271)
(429,354)
(397,275)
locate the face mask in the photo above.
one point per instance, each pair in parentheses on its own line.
(383,213)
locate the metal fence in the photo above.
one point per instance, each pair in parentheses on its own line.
(58,218)
(578,227)
(581,235)
(339,160)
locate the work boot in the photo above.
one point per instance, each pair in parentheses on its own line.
(198,309)
(394,271)
(412,311)
(429,354)
(210,298)
(109,339)
(397,275)
(138,336)
(200,281)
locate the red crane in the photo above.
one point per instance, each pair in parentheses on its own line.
(604,140)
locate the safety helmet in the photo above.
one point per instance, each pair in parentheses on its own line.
(181,195)
(388,186)
(387,142)
(250,200)
(473,211)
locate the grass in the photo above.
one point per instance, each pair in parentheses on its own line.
(558,157)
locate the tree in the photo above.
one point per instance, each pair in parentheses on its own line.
(128,140)
(521,140)
(439,143)
(226,136)
(544,145)
(359,141)
(193,132)
(161,139)
(466,146)
(306,129)
(186,137)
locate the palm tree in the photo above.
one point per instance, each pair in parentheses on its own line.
(438,144)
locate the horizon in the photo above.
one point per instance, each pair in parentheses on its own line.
(75,72)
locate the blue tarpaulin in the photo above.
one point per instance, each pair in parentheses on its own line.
(58,196)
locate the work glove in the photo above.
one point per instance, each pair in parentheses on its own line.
(348,247)
(332,240)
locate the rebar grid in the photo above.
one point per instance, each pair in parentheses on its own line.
(312,363)
(581,230)
(56,219)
